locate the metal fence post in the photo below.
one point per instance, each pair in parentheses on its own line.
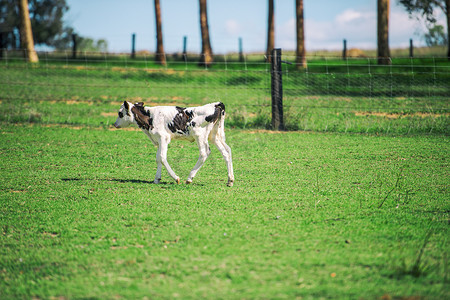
(74,46)
(277,91)
(133,46)
(344,51)
(411,48)
(241,51)
(184,45)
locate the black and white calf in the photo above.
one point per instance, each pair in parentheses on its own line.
(164,123)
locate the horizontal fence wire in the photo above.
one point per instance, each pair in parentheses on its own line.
(326,86)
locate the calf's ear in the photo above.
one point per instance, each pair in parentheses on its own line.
(125,103)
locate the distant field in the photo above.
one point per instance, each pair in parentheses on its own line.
(437,51)
(311,215)
(409,97)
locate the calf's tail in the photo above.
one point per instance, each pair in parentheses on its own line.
(219,111)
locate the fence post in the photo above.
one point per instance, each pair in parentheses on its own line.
(344,52)
(2,43)
(184,45)
(411,48)
(241,51)
(133,44)
(74,46)
(277,91)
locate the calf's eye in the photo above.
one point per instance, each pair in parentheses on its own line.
(120,114)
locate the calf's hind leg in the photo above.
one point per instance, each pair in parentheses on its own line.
(158,166)
(219,141)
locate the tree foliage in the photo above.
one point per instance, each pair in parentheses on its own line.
(436,36)
(46,18)
(424,7)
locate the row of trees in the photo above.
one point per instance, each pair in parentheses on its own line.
(300,33)
(46,26)
(207,53)
(425,8)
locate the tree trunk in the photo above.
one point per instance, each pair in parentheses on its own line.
(301,52)
(160,55)
(383,32)
(270,32)
(26,33)
(447,11)
(206,58)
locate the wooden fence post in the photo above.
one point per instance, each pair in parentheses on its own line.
(277,91)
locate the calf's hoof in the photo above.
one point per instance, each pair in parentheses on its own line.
(178,180)
(189,181)
(230,183)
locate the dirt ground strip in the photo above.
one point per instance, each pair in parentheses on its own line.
(399,115)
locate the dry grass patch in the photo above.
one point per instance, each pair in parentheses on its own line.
(399,115)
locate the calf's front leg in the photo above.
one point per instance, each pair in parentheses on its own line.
(162,159)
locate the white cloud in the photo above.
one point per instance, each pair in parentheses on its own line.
(359,28)
(285,35)
(349,15)
(232,27)
(402,28)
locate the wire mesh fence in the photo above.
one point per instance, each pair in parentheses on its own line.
(331,94)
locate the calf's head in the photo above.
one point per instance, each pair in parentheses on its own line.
(125,118)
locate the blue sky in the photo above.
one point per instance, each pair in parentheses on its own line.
(327,23)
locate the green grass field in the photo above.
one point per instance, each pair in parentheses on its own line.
(312,215)
(354,206)
(332,95)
